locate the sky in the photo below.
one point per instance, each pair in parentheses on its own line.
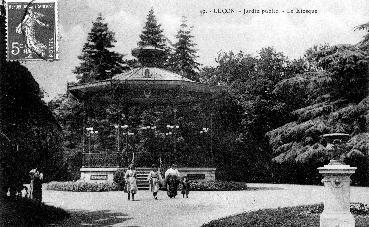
(291,33)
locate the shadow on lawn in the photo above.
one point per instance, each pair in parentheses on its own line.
(92,218)
(27,212)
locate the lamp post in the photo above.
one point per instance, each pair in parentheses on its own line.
(127,134)
(148,129)
(117,128)
(336,185)
(172,132)
(90,133)
(206,130)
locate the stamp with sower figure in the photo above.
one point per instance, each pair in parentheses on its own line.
(32,30)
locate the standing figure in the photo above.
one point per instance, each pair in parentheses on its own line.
(36,185)
(171,179)
(185,187)
(154,179)
(131,184)
(28,26)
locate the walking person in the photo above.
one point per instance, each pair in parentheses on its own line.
(131,183)
(154,179)
(172,180)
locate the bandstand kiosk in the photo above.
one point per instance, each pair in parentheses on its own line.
(145,86)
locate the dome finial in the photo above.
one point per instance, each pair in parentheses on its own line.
(149,56)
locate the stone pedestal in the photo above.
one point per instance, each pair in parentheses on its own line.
(337,195)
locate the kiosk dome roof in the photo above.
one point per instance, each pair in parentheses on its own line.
(150,73)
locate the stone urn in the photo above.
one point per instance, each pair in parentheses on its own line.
(336,180)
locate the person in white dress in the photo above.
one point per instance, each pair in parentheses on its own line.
(172,171)
(154,179)
(131,183)
(172,180)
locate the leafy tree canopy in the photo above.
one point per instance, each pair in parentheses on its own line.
(333,101)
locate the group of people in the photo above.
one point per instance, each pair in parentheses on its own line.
(171,181)
(35,187)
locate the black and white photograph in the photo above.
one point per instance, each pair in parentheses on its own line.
(185,113)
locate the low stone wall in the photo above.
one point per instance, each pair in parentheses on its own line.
(199,174)
(107,174)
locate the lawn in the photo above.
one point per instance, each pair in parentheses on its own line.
(302,216)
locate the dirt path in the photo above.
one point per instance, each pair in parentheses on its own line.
(112,208)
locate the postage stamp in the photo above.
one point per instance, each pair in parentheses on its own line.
(32,30)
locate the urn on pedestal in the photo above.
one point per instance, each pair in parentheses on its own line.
(336,179)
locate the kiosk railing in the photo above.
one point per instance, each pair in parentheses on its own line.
(99,160)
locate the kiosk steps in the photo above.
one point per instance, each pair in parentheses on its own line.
(142,182)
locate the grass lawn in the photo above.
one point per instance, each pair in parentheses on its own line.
(289,216)
(94,218)
(26,212)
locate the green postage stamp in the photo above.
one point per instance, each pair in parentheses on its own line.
(32,27)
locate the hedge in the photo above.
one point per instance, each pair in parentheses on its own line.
(82,186)
(216,186)
(355,209)
(119,179)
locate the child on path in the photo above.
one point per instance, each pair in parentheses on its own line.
(185,187)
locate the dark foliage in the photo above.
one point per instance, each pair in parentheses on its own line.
(119,178)
(251,81)
(33,136)
(70,115)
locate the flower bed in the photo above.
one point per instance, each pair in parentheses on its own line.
(216,186)
(82,186)
(355,209)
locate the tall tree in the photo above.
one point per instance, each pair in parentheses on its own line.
(98,62)
(183,60)
(32,133)
(152,35)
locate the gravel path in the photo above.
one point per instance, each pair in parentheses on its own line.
(113,209)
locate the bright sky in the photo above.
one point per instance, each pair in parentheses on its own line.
(291,34)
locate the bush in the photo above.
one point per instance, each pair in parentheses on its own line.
(119,178)
(82,186)
(355,209)
(216,186)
